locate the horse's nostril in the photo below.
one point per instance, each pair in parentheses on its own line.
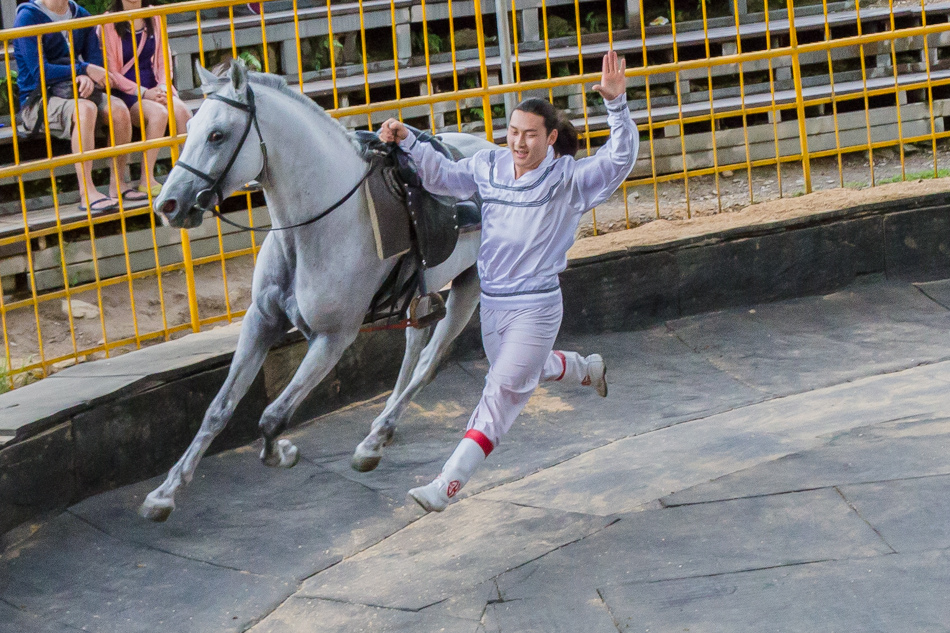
(168,208)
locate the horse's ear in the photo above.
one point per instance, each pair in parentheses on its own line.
(209,81)
(238,75)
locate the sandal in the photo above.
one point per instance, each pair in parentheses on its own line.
(134,196)
(101,205)
(155,189)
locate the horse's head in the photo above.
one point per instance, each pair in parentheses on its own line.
(221,154)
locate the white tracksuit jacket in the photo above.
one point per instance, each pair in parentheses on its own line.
(529,224)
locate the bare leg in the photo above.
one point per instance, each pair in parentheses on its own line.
(324,352)
(122,128)
(182,115)
(86,128)
(463,299)
(257,336)
(156,119)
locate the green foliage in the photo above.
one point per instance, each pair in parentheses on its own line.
(251,61)
(926,174)
(561,70)
(596,22)
(4,102)
(322,52)
(418,44)
(6,382)
(95,7)
(559,27)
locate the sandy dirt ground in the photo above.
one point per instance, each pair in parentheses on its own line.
(112,309)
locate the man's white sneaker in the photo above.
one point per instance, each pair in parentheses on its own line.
(597,374)
(433,497)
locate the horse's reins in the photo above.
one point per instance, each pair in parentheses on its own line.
(204,198)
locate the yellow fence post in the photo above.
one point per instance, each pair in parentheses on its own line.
(483,70)
(172,131)
(799,97)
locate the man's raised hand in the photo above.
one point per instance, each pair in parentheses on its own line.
(613,81)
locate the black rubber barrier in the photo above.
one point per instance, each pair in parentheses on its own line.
(100,425)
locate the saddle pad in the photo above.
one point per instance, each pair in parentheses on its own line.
(389,217)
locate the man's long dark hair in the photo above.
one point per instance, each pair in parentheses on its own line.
(123,29)
(554,119)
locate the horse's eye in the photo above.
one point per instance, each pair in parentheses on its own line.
(214,137)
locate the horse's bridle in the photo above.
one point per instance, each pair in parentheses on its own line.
(205,197)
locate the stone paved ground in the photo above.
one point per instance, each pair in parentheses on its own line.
(780,468)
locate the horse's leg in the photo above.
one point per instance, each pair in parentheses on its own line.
(463,299)
(324,352)
(257,336)
(416,340)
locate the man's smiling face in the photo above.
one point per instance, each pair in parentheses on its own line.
(528,140)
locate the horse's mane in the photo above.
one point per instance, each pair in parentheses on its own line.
(279,84)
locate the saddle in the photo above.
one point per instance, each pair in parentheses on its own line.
(408,221)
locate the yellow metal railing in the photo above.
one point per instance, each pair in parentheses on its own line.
(148,284)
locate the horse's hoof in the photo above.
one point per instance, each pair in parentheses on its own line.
(157,510)
(364,464)
(289,454)
(286,456)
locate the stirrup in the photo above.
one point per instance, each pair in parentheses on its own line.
(436,312)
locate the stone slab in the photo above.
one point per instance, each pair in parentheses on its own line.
(635,471)
(939,291)
(36,476)
(122,587)
(911,514)
(307,615)
(887,593)
(701,540)
(619,293)
(313,518)
(808,343)
(582,611)
(441,554)
(49,402)
(13,620)
(917,244)
(467,604)
(904,448)
(667,381)
(777,266)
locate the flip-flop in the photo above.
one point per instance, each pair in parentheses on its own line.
(133,195)
(156,189)
(102,204)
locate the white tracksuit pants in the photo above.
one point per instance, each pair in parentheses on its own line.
(519,345)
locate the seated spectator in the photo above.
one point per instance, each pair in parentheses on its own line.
(146,99)
(69,118)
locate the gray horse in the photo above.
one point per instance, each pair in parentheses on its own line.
(318,276)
